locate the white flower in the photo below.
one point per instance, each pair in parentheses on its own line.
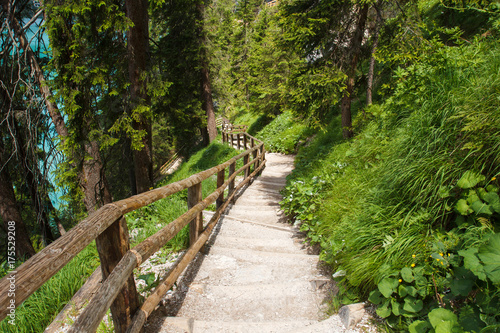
(338,273)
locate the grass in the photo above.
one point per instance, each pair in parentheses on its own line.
(38,311)
(378,197)
(284,134)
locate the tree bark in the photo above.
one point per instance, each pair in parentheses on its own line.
(52,108)
(206,87)
(355,49)
(93,181)
(112,245)
(9,212)
(208,104)
(128,158)
(371,69)
(137,48)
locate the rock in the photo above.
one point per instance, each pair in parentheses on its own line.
(351,314)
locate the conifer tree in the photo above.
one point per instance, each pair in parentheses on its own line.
(268,64)
(182,59)
(220,21)
(331,49)
(23,127)
(88,84)
(138,63)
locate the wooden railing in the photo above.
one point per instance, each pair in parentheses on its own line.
(227,127)
(107,226)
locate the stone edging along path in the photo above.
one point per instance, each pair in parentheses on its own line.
(255,274)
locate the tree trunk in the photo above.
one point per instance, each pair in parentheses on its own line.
(10,213)
(112,244)
(52,108)
(138,47)
(371,70)
(128,158)
(208,104)
(93,183)
(206,87)
(32,180)
(355,49)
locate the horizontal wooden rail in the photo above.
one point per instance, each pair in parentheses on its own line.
(38,269)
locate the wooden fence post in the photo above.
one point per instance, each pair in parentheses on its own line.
(254,155)
(112,245)
(238,138)
(232,142)
(245,142)
(262,155)
(220,181)
(245,161)
(232,168)
(196,225)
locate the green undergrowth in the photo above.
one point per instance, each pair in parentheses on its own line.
(38,311)
(407,212)
(284,134)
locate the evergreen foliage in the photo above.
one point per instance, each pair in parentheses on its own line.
(175,79)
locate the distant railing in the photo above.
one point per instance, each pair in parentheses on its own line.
(108,227)
(226,126)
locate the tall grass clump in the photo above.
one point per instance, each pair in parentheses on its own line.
(412,200)
(38,311)
(284,134)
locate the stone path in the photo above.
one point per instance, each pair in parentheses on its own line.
(255,275)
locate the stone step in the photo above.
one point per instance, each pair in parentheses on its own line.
(267,186)
(269,196)
(331,325)
(190,325)
(259,190)
(270,181)
(254,302)
(278,224)
(248,200)
(282,245)
(258,215)
(269,258)
(247,208)
(235,227)
(226,270)
(254,292)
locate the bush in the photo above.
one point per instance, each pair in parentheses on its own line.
(284,134)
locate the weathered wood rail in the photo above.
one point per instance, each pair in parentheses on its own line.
(108,227)
(228,127)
